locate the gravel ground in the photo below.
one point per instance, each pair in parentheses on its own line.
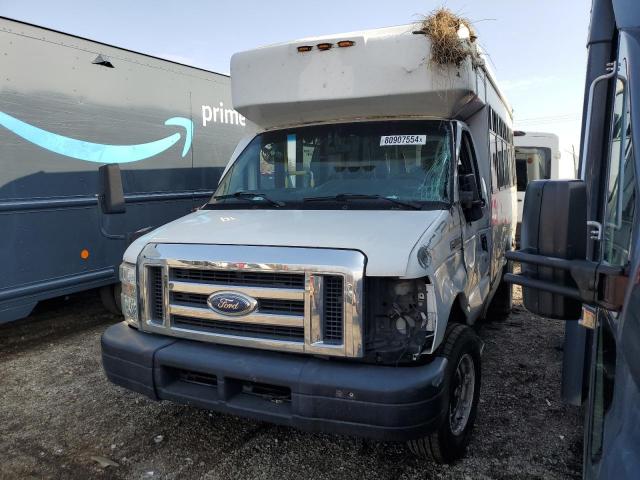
(60,418)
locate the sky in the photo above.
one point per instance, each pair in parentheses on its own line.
(536,47)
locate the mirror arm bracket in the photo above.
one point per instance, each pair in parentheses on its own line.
(103,228)
(595,283)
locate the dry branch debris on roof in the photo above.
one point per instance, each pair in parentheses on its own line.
(452,37)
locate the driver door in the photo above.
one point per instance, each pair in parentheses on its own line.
(475,231)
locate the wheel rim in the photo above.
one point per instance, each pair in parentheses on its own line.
(464,384)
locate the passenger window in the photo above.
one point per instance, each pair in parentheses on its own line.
(512,157)
(494,162)
(621,185)
(503,163)
(499,163)
(507,164)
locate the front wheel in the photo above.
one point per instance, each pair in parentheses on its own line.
(461,348)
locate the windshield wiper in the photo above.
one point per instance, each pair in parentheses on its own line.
(345,197)
(255,197)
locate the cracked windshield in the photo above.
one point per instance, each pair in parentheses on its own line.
(395,164)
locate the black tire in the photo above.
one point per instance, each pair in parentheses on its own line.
(110,298)
(444,445)
(502,302)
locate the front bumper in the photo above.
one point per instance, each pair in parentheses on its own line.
(379,402)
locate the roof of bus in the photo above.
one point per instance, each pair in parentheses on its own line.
(385,73)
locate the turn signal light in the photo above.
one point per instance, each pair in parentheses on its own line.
(346,43)
(324,46)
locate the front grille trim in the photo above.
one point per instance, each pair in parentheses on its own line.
(285,308)
(156,295)
(265,305)
(253,330)
(243,278)
(333,305)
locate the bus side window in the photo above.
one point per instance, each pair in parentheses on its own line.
(503,163)
(494,162)
(514,180)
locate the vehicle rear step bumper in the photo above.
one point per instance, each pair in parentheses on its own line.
(313,394)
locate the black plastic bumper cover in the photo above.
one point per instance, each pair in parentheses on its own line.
(380,402)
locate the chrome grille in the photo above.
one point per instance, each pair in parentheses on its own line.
(295,334)
(333,308)
(156,296)
(294,307)
(299,307)
(229,277)
(265,305)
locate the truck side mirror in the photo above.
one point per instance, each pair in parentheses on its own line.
(554,228)
(111,193)
(556,276)
(469,195)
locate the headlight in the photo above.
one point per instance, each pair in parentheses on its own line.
(129,295)
(401,319)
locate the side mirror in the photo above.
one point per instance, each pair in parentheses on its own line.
(111,193)
(554,227)
(469,195)
(556,276)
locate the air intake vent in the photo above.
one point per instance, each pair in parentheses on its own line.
(156,301)
(333,309)
(294,334)
(240,278)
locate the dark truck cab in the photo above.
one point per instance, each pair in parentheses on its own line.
(580,249)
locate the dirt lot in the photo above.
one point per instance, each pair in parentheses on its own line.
(59,417)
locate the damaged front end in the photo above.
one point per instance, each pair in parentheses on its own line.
(401,319)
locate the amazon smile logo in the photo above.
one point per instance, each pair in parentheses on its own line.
(97,152)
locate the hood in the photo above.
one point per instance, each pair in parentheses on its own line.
(386,237)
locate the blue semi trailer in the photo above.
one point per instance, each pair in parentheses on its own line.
(69,105)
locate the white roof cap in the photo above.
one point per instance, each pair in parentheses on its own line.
(386,73)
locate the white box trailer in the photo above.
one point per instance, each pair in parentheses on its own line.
(331,282)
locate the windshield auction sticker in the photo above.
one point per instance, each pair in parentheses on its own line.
(389,140)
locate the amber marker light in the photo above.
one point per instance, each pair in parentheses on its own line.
(84,254)
(324,46)
(304,48)
(346,43)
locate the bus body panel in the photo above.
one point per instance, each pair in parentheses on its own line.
(57,106)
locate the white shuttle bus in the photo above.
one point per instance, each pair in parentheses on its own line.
(538,157)
(332,281)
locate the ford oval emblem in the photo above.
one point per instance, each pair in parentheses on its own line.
(231,303)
